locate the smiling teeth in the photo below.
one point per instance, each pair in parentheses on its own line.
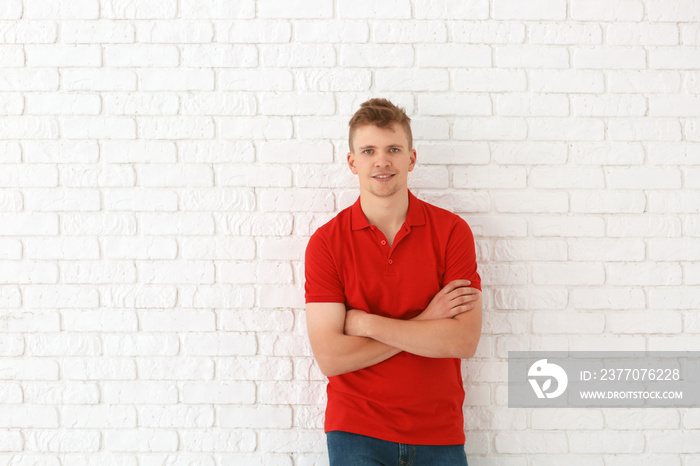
(382,176)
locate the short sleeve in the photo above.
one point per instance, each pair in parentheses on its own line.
(323,283)
(460,256)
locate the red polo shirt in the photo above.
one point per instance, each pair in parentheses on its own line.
(407,398)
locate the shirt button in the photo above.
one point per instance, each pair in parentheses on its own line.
(391,261)
(383,242)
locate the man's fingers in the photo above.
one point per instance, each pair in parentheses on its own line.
(454,284)
(463,291)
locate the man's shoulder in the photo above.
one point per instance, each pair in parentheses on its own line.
(435,213)
(337,225)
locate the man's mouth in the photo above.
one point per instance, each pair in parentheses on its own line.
(383,176)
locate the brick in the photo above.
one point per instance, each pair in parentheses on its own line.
(412,80)
(177,80)
(493,128)
(527,56)
(10,249)
(650,129)
(567,81)
(636,322)
(609,58)
(140,200)
(218,392)
(517,104)
(297,104)
(565,33)
(92,32)
(11,56)
(568,322)
(260,31)
(97,176)
(643,178)
(66,200)
(26,224)
(673,201)
(141,345)
(530,250)
(98,128)
(608,201)
(217,344)
(217,103)
(409,32)
(29,127)
(482,32)
(600,10)
(175,369)
(684,58)
(525,201)
(452,9)
(62,104)
(294,9)
(569,273)
(643,273)
(489,177)
(566,177)
(393,9)
(84,441)
(175,272)
(602,298)
(255,80)
(12,9)
(176,128)
(217,9)
(641,34)
(607,153)
(466,56)
(644,225)
(126,392)
(689,34)
(491,80)
(11,201)
(144,440)
(181,32)
(24,175)
(646,81)
(530,442)
(673,11)
(114,321)
(569,129)
(278,417)
(78,248)
(96,417)
(63,55)
(331,32)
(98,80)
(574,226)
(376,56)
(609,105)
(219,56)
(176,416)
(29,80)
(217,199)
(529,153)
(62,9)
(597,442)
(212,151)
(138,9)
(10,104)
(141,56)
(183,175)
(98,224)
(674,249)
(670,298)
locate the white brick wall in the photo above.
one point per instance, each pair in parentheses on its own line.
(162,165)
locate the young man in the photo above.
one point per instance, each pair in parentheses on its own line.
(393,303)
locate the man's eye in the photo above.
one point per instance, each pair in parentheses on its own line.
(367,151)
(394,149)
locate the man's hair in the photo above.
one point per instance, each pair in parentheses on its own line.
(381,113)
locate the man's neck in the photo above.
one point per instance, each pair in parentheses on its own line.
(386,213)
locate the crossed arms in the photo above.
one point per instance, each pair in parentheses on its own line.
(347,340)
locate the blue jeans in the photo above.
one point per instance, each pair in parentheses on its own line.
(346,449)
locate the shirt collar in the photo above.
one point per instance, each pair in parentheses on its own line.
(414,217)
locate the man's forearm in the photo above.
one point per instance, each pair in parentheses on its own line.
(351,353)
(440,338)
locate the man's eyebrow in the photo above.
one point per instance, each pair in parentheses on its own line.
(372,146)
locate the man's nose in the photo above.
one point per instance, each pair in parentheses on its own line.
(382,160)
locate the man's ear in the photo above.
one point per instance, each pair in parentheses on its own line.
(351,163)
(414,154)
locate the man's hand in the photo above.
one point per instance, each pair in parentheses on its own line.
(455,298)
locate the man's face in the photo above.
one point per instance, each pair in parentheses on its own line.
(381,159)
